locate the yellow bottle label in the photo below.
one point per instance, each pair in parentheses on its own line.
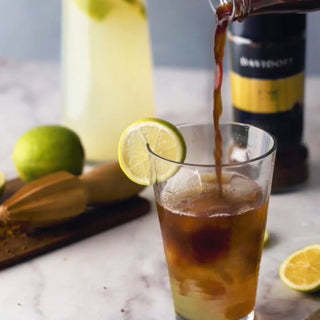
(267,96)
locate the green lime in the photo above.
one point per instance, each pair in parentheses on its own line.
(47,149)
(96,9)
(162,137)
(301,270)
(3,181)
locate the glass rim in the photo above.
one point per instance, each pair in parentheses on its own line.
(272,149)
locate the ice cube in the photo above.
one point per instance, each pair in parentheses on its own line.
(241,189)
(183,181)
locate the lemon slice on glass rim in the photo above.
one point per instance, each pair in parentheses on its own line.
(160,136)
(301,270)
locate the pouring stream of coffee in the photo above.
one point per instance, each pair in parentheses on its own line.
(219,46)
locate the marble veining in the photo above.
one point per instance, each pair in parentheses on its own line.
(121,274)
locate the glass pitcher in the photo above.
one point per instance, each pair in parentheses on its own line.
(106,71)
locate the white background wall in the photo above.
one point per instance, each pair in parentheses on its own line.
(181,32)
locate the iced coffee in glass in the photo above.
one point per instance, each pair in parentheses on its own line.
(213,229)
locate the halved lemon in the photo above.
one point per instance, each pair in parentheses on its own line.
(301,270)
(163,138)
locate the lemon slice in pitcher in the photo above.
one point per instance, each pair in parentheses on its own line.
(163,138)
(96,9)
(99,9)
(301,270)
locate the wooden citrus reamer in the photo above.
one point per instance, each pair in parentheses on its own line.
(62,196)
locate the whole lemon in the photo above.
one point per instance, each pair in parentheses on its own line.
(47,149)
(3,181)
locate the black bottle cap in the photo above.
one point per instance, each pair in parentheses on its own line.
(270,27)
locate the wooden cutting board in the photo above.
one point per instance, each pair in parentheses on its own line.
(314,316)
(19,242)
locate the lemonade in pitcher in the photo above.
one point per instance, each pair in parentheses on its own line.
(106,71)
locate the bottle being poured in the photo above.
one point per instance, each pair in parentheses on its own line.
(240,9)
(226,12)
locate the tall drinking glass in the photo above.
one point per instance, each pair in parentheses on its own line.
(213,233)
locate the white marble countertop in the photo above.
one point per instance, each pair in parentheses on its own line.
(121,273)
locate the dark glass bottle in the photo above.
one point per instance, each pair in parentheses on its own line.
(240,9)
(267,83)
